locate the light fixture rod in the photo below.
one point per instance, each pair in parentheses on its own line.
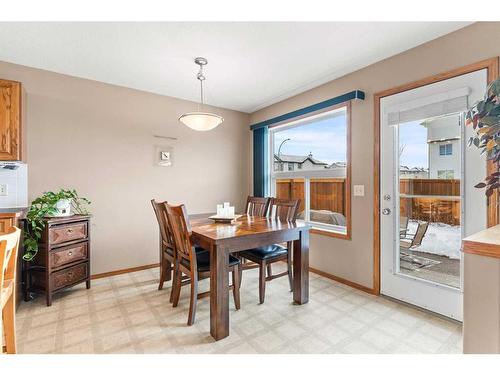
(201,61)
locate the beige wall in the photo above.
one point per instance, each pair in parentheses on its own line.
(353,260)
(98,139)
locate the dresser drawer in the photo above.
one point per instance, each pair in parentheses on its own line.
(67,233)
(68,254)
(69,275)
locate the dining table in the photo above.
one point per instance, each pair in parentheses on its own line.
(244,233)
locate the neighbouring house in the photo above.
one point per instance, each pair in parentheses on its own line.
(443,137)
(414,172)
(289,163)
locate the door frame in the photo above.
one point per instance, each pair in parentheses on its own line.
(492,66)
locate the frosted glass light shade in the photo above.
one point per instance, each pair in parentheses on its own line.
(201,121)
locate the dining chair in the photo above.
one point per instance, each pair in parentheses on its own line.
(9,245)
(194,264)
(166,243)
(264,256)
(257,206)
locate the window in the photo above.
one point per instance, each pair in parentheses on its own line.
(445,150)
(446,174)
(319,145)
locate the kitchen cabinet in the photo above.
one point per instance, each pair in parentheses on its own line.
(10,121)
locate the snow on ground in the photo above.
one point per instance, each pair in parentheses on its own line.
(440,239)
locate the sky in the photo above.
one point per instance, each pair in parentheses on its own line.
(414,138)
(325,139)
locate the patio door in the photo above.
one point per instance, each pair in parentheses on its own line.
(428,201)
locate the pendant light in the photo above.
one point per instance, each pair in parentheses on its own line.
(201,121)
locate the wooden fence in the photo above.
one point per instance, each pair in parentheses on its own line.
(328,194)
(434,209)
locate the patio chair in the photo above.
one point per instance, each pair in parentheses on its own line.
(413,240)
(403,226)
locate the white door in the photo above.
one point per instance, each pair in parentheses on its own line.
(428,200)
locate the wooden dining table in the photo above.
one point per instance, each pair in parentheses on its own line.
(245,233)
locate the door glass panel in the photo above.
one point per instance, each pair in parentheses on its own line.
(429,217)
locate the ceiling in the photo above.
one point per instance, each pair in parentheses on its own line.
(250,65)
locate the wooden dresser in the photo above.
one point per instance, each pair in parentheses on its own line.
(63,258)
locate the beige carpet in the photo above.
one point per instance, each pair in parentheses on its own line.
(127,314)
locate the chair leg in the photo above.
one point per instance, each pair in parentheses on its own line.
(269,270)
(162,274)
(9,323)
(236,286)
(176,288)
(262,282)
(193,298)
(289,265)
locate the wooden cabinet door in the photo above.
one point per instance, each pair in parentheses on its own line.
(10,120)
(5,224)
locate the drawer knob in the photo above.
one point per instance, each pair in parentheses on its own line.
(70,253)
(70,230)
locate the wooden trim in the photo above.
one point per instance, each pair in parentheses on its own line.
(492,215)
(342,281)
(122,271)
(376,195)
(477,248)
(484,243)
(490,64)
(494,200)
(329,233)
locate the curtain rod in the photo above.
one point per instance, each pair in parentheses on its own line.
(356,94)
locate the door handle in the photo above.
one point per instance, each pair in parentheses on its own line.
(386,211)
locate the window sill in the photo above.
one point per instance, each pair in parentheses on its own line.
(328,233)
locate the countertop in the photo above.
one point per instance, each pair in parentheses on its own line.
(486,243)
(13,212)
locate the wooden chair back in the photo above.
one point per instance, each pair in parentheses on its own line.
(257,206)
(284,209)
(181,232)
(9,245)
(160,209)
(419,234)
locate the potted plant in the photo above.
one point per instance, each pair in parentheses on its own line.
(49,204)
(484,116)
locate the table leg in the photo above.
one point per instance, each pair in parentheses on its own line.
(301,268)
(219,292)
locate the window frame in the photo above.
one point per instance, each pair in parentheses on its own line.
(445,148)
(316,227)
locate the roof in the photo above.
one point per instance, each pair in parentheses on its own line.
(404,168)
(299,159)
